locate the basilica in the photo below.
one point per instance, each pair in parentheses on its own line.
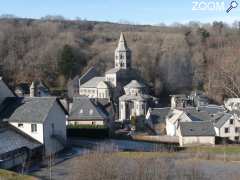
(121,84)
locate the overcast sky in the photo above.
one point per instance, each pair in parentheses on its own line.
(135,11)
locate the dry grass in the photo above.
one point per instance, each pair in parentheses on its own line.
(9,175)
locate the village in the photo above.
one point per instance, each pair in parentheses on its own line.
(35,124)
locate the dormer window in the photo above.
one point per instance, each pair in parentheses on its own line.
(90,111)
(81,111)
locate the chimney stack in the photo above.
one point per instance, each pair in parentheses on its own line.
(32,90)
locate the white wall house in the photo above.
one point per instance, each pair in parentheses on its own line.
(232,104)
(97,87)
(196,133)
(44,119)
(173,120)
(227,126)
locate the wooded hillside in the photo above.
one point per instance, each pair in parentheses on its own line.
(174,59)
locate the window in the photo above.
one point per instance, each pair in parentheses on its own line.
(236,138)
(34,127)
(121,56)
(20,125)
(237,130)
(231,121)
(226,130)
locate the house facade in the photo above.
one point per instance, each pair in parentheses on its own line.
(196,133)
(84,111)
(43,119)
(227,125)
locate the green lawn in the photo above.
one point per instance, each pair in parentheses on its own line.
(229,149)
(9,175)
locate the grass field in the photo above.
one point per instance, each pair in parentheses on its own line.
(228,149)
(9,175)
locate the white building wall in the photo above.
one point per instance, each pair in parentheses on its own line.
(57,117)
(112,78)
(196,140)
(170,129)
(89,92)
(122,111)
(86,122)
(103,93)
(232,133)
(26,128)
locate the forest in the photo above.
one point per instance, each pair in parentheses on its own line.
(174,59)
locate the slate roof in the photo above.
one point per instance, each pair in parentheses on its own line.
(84,109)
(135,84)
(114,70)
(196,115)
(199,128)
(139,97)
(33,109)
(91,72)
(220,119)
(158,115)
(12,140)
(92,83)
(212,109)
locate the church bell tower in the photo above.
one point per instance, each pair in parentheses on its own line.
(122,54)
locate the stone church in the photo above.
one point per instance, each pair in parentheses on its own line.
(121,84)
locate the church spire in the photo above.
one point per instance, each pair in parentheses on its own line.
(122,44)
(122,54)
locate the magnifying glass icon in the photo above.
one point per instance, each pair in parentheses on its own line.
(233,4)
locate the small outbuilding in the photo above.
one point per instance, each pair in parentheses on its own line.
(196,133)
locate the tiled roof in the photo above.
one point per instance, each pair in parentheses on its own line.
(212,109)
(198,128)
(12,140)
(135,84)
(139,97)
(158,115)
(220,119)
(92,83)
(196,115)
(33,109)
(84,109)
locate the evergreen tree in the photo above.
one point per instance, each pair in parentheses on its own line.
(66,61)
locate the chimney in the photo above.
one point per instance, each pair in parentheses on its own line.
(32,90)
